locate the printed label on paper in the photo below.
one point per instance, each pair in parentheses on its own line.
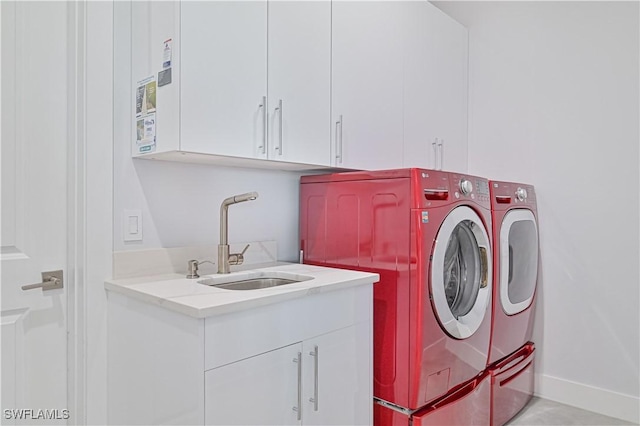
(146,133)
(166,54)
(146,96)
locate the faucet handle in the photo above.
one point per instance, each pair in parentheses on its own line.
(238,258)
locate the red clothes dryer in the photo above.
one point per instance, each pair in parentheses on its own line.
(515,265)
(427,233)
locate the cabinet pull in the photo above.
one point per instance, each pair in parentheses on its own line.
(315,355)
(298,408)
(339,141)
(279,110)
(441,145)
(263,105)
(435,153)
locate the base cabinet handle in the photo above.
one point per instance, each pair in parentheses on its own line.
(314,399)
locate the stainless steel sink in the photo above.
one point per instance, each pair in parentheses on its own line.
(255,283)
(253,280)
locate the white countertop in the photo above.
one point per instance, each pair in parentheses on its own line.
(187,296)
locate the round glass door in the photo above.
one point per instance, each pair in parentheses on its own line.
(461,273)
(518,260)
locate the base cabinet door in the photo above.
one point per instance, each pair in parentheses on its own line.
(337,378)
(261,390)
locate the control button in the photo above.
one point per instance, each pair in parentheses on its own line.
(521,194)
(457,194)
(466,187)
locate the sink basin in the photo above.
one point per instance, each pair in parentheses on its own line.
(255,283)
(254,280)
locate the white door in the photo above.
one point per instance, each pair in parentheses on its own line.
(449,53)
(224,78)
(34,210)
(337,378)
(262,390)
(367,84)
(419,82)
(300,81)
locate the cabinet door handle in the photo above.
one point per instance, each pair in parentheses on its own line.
(298,408)
(315,355)
(441,146)
(263,105)
(279,110)
(435,153)
(339,141)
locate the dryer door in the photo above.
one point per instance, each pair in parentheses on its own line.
(461,273)
(518,260)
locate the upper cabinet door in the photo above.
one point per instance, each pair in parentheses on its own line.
(300,81)
(435,89)
(420,81)
(367,84)
(224,78)
(450,65)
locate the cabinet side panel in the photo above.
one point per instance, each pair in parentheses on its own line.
(155,365)
(152,24)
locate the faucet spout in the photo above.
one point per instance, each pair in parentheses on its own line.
(223,247)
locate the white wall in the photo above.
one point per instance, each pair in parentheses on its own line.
(180,203)
(554,99)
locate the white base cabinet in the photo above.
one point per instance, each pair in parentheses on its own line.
(321,381)
(306,361)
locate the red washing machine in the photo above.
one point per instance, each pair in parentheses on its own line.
(427,233)
(515,264)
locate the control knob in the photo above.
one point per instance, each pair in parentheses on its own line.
(465,186)
(521,194)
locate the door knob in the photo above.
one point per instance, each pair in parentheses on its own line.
(51,280)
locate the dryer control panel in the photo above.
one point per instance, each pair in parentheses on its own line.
(505,195)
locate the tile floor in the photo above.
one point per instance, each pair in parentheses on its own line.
(544,412)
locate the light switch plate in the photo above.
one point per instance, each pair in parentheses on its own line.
(132,225)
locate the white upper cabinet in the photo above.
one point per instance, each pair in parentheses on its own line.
(300,81)
(367,84)
(304,84)
(224,77)
(435,89)
(251,79)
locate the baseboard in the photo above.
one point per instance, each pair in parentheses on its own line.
(601,401)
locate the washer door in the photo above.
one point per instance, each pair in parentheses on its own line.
(461,273)
(518,260)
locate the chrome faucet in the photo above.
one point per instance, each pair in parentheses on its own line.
(224,258)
